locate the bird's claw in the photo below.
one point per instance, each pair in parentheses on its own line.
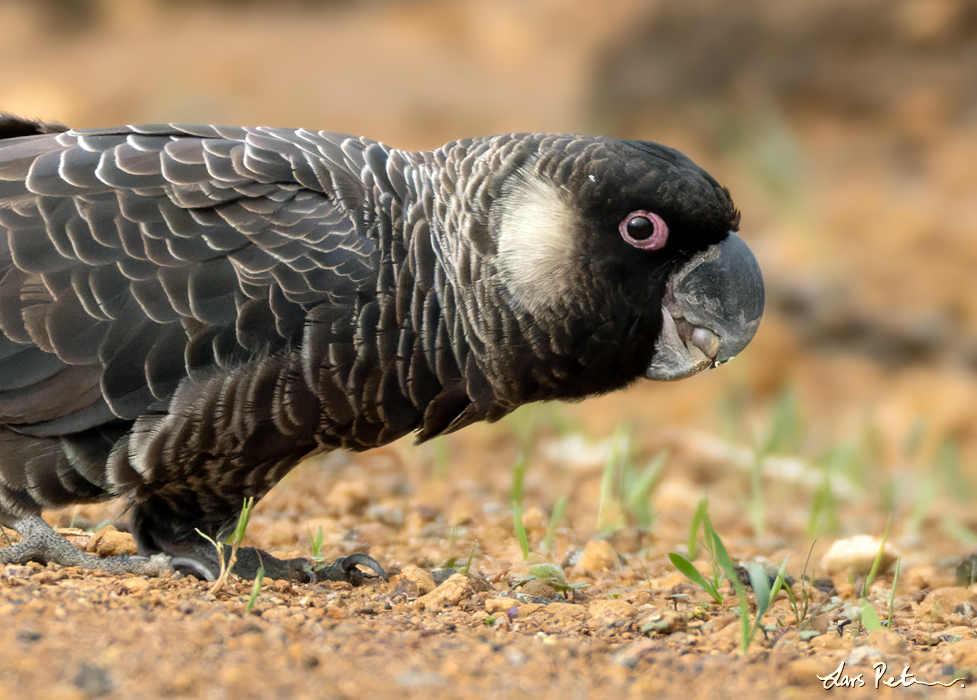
(345,569)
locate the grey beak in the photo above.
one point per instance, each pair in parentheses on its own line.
(711,311)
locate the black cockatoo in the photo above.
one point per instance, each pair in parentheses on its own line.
(187,312)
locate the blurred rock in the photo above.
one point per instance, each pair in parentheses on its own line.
(962,654)
(948,605)
(421,580)
(135,584)
(857,555)
(348,495)
(537,588)
(662,621)
(451,592)
(597,556)
(534,519)
(603,613)
(888,642)
(631,654)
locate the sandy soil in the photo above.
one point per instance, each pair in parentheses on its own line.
(851,155)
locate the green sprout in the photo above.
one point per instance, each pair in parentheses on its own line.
(316,542)
(255,589)
(624,489)
(235,540)
(518,476)
(876,564)
(551,574)
(700,519)
(558,508)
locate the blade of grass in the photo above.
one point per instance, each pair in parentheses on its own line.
(870,618)
(757,505)
(710,536)
(235,540)
(608,521)
(760,583)
(255,589)
(948,461)
(779,583)
(690,572)
(316,542)
(471,556)
(555,518)
(722,556)
(958,530)
(639,489)
(873,572)
(518,475)
(700,513)
(892,596)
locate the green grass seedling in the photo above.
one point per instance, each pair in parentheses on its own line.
(235,540)
(515,498)
(255,589)
(558,509)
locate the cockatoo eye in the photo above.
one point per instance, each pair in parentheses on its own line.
(644,230)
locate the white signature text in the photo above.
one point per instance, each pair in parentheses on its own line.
(838,678)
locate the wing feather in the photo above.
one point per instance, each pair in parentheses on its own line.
(130,258)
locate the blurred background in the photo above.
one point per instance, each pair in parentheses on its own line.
(847,133)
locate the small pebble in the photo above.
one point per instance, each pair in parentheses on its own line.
(135,584)
(451,592)
(109,542)
(533,519)
(597,556)
(422,579)
(857,555)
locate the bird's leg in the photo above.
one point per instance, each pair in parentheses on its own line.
(189,539)
(40,543)
(249,560)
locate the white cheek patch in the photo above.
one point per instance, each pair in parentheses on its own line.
(535,244)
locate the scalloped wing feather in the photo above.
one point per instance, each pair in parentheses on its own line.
(129,256)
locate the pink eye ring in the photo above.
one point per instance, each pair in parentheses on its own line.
(644,230)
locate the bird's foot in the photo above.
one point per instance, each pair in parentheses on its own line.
(40,543)
(249,560)
(347,569)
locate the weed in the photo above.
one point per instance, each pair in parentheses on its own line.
(531,420)
(316,541)
(697,518)
(803,614)
(959,531)
(466,569)
(255,589)
(558,508)
(764,591)
(624,490)
(874,571)
(551,574)
(824,507)
(518,476)
(685,566)
(235,540)
(782,435)
(892,596)
(948,463)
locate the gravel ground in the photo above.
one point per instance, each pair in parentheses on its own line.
(851,412)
